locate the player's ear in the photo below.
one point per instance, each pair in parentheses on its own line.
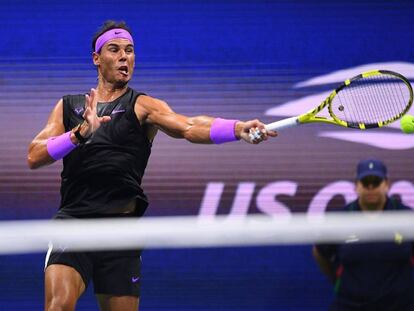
(95,59)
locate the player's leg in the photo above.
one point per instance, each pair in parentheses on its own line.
(66,277)
(63,287)
(117,303)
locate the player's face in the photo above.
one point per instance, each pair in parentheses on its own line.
(372,192)
(116,61)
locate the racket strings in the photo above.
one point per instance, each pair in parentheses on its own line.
(380,96)
(386,103)
(393,94)
(372,100)
(380,107)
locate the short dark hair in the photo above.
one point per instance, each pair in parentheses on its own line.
(108,25)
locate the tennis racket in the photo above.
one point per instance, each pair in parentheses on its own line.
(369,100)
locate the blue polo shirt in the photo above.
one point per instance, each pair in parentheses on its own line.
(372,276)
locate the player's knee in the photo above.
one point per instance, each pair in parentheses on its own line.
(60,303)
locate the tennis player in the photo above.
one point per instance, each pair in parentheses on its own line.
(104,139)
(370,276)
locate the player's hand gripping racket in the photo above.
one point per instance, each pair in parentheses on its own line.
(369,100)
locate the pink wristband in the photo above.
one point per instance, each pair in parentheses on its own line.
(222,131)
(59,146)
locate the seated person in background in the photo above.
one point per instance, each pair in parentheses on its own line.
(370,276)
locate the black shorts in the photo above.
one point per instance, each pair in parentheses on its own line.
(113,272)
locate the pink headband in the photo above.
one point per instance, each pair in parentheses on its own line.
(112,34)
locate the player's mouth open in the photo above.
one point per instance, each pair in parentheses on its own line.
(123,70)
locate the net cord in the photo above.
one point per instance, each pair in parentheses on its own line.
(221,231)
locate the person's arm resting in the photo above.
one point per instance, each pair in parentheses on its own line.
(324,264)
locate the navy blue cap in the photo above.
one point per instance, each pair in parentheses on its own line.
(371,167)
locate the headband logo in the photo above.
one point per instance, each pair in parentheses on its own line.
(112,34)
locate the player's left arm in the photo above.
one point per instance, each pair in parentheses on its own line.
(194,129)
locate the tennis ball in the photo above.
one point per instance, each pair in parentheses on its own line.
(407,124)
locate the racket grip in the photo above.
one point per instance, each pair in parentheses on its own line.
(282,124)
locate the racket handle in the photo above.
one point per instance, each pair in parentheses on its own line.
(282,124)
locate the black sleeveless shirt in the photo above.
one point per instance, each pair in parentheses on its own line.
(106,172)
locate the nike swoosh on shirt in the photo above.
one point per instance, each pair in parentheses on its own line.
(134,279)
(118,111)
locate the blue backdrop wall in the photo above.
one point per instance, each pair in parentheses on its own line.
(236,59)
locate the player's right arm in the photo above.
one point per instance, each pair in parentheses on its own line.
(37,155)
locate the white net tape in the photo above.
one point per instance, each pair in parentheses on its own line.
(220,231)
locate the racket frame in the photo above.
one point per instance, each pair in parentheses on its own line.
(311,115)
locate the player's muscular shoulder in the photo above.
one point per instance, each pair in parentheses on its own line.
(147,106)
(145,109)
